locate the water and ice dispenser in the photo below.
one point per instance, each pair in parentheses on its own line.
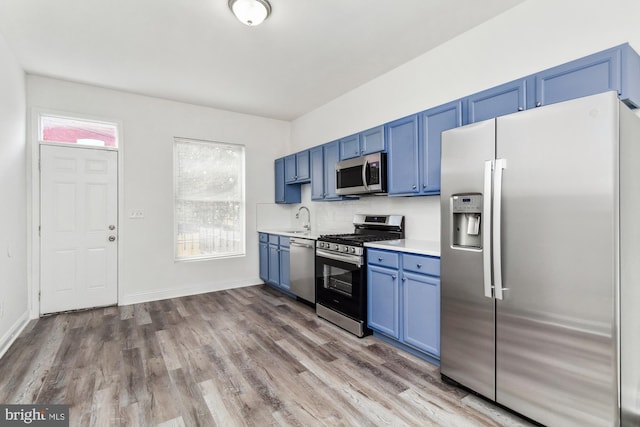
(466,210)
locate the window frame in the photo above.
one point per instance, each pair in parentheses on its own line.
(82,118)
(242,252)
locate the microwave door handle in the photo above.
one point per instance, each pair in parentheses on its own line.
(365,166)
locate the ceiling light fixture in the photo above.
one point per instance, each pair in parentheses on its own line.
(250,12)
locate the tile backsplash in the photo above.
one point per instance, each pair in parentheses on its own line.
(422,214)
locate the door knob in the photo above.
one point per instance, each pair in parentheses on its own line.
(112,238)
(112,227)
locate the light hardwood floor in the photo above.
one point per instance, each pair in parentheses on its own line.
(245,357)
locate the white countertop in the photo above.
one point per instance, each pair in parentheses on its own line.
(422,247)
(303,234)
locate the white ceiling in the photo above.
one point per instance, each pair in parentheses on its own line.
(304,55)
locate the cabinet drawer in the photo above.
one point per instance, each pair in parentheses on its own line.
(383,258)
(264,237)
(421,264)
(284,241)
(274,239)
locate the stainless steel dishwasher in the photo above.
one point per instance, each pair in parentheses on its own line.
(302,272)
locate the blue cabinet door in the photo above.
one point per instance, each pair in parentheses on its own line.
(372,140)
(317,173)
(284,193)
(302,166)
(274,264)
(592,74)
(290,174)
(383,299)
(500,100)
(421,316)
(402,156)
(280,180)
(349,147)
(285,264)
(331,153)
(264,261)
(432,123)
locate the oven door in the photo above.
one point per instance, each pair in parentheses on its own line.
(340,283)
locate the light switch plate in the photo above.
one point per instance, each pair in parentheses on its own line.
(136,213)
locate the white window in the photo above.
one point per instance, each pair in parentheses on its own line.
(71,130)
(209,199)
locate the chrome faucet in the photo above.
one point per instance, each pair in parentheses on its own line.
(306,226)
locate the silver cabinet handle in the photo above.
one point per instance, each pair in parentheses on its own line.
(404,279)
(112,227)
(486,228)
(520,109)
(419,265)
(379,258)
(496,228)
(112,238)
(415,186)
(538,104)
(393,276)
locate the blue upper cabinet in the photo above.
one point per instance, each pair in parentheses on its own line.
(431,125)
(323,159)
(285,193)
(363,143)
(316,161)
(616,69)
(302,166)
(402,156)
(296,168)
(500,100)
(349,147)
(290,169)
(413,149)
(331,153)
(372,140)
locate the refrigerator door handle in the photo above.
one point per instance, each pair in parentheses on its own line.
(496,227)
(486,229)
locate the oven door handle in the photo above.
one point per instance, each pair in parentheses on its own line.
(355,260)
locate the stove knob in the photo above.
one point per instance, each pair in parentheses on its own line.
(336,247)
(353,250)
(345,249)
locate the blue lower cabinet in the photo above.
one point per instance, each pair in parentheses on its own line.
(403,303)
(382,299)
(275,260)
(274,264)
(421,320)
(285,263)
(264,261)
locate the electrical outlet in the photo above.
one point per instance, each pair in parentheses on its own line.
(136,213)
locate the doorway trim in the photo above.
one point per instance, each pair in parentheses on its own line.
(33,201)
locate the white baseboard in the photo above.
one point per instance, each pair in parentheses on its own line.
(14,331)
(183,292)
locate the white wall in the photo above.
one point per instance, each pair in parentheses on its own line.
(13,210)
(531,37)
(147,267)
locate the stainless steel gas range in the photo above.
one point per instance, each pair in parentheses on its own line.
(341,281)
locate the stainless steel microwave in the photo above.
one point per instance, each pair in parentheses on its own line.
(362,175)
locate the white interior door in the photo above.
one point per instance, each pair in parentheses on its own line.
(79,228)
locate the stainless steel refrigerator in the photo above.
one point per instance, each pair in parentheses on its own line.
(540,261)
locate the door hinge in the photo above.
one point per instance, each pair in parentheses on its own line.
(39,231)
(39,293)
